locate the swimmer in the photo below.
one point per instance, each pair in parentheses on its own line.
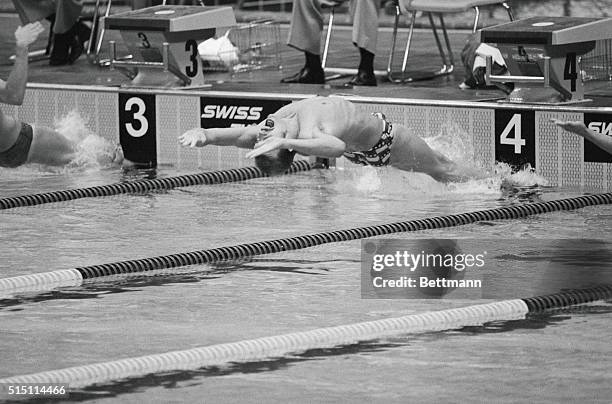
(21,143)
(579,128)
(332,127)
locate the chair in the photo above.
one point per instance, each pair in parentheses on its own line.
(430,7)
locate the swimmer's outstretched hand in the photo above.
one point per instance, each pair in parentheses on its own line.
(193,138)
(577,127)
(26,35)
(266,145)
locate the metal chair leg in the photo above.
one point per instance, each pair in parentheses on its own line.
(95,25)
(337,72)
(508,10)
(476,18)
(451,59)
(445,55)
(327,38)
(328,35)
(393,43)
(390,73)
(101,31)
(439,44)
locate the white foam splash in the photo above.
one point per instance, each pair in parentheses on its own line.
(526,177)
(456,144)
(388,182)
(368,180)
(92,152)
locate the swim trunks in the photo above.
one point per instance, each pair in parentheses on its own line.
(17,154)
(380,153)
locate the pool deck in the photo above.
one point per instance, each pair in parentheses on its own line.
(423,53)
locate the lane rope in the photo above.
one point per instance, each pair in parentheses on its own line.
(46,280)
(146,185)
(280,345)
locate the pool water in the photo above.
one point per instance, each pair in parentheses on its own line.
(554,357)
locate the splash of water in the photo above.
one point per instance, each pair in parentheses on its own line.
(456,144)
(525,177)
(92,152)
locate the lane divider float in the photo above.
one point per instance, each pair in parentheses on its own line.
(72,277)
(280,345)
(146,185)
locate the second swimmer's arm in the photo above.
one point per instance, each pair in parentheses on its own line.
(579,128)
(321,146)
(243,136)
(603,141)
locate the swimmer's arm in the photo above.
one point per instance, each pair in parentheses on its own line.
(12,91)
(580,129)
(286,110)
(602,141)
(320,146)
(244,136)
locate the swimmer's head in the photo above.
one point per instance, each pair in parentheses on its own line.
(275,162)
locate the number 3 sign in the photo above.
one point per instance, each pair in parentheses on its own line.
(137,130)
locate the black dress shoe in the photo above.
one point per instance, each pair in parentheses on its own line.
(60,50)
(362,78)
(69,46)
(306,76)
(79,35)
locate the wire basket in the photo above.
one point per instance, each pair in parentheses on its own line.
(597,64)
(254,46)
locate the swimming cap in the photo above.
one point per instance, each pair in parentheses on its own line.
(275,162)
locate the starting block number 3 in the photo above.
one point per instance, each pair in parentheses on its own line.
(515,137)
(191,47)
(192,61)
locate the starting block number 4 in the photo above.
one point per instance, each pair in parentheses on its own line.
(515,137)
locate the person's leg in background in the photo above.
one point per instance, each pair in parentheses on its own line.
(305,35)
(34,10)
(69,34)
(365,36)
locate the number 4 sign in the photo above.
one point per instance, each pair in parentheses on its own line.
(515,137)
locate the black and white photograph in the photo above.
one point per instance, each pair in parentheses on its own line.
(305,201)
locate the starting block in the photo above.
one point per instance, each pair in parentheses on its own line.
(164,42)
(543,56)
